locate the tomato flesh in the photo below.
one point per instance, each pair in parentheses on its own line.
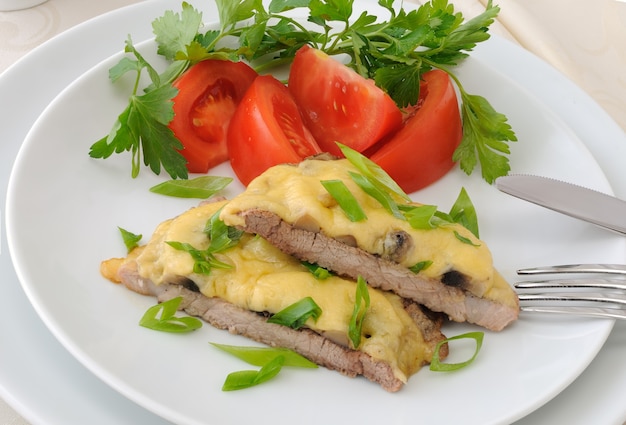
(267,130)
(339,105)
(209,93)
(420,152)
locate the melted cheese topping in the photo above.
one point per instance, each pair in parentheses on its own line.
(296,195)
(265,279)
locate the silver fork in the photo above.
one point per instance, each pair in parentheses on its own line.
(589,293)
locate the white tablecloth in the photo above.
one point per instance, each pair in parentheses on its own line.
(584,39)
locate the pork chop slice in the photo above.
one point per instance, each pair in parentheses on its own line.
(320,350)
(445,296)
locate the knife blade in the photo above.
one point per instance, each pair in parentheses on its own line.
(575,201)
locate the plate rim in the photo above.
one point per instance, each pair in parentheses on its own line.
(107,58)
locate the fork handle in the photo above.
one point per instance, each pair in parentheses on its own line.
(576,268)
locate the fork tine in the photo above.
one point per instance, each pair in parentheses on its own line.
(579,311)
(573,283)
(580,301)
(608,298)
(576,268)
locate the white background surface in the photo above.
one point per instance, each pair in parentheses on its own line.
(592,58)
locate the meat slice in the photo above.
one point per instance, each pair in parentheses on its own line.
(320,350)
(351,261)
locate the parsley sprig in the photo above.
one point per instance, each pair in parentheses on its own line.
(394,53)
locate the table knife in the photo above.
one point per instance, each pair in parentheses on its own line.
(576,201)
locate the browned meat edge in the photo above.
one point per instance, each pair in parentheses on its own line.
(346,260)
(322,351)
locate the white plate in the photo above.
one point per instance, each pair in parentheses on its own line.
(90,339)
(38,376)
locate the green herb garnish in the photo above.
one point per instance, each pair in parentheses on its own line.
(428,217)
(260,356)
(204,259)
(379,185)
(221,237)
(131,240)
(378,192)
(248,378)
(393,52)
(161,317)
(201,187)
(373,173)
(295,315)
(361,305)
(464,213)
(465,240)
(271,361)
(345,199)
(319,273)
(437,366)
(421,265)
(420,217)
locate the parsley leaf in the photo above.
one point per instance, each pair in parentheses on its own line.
(175,32)
(142,128)
(485,133)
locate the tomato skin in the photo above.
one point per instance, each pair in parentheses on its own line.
(209,93)
(420,152)
(267,130)
(339,105)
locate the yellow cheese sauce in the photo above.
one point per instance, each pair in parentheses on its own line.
(262,278)
(296,195)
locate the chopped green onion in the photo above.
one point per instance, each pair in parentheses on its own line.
(320,273)
(465,240)
(420,217)
(370,187)
(249,378)
(361,305)
(260,356)
(346,200)
(131,240)
(201,187)
(204,260)
(422,265)
(437,366)
(295,315)
(373,171)
(161,317)
(427,217)
(220,235)
(464,212)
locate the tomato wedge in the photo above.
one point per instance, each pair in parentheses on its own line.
(266,130)
(420,152)
(209,93)
(339,105)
